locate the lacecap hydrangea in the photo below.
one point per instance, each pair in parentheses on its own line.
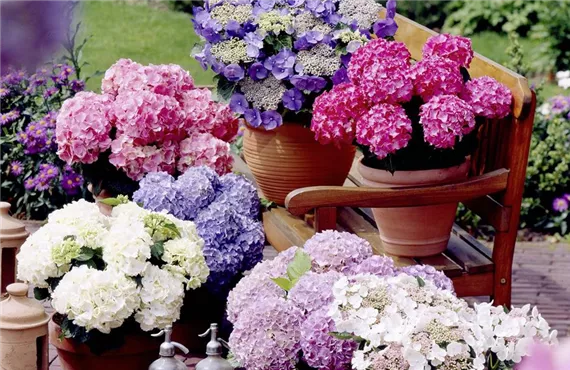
(225,210)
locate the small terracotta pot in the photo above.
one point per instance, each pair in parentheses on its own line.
(414,231)
(289,158)
(138,352)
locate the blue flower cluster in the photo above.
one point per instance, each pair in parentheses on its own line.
(226,213)
(276,56)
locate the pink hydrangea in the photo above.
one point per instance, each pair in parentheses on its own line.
(375,51)
(205,150)
(435,76)
(445,118)
(124,74)
(487,97)
(148,117)
(314,291)
(386,128)
(268,337)
(225,123)
(320,349)
(455,48)
(137,160)
(387,81)
(332,250)
(83,127)
(335,112)
(168,79)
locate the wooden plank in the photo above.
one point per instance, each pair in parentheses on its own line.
(301,201)
(469,285)
(442,263)
(283,230)
(474,243)
(491,212)
(469,258)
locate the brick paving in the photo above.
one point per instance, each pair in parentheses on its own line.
(541,277)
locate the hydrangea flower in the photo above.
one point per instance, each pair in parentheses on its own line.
(435,76)
(446,118)
(455,48)
(313,291)
(205,150)
(487,97)
(428,272)
(331,250)
(376,265)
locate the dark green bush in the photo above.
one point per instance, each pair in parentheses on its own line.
(184,5)
(554,29)
(430,13)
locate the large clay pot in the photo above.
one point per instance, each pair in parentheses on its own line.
(289,158)
(138,352)
(414,231)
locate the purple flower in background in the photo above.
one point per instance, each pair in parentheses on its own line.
(71,182)
(254,43)
(560,104)
(238,103)
(295,3)
(257,71)
(293,99)
(309,83)
(560,204)
(9,117)
(266,4)
(4,92)
(77,85)
(16,168)
(234,29)
(430,273)
(14,77)
(48,172)
(387,27)
(233,72)
(253,117)
(30,183)
(567,196)
(391,8)
(50,92)
(271,119)
(308,40)
(340,76)
(211,31)
(50,119)
(301,43)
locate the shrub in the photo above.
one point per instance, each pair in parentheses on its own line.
(430,13)
(554,29)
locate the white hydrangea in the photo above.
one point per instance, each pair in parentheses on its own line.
(127,246)
(129,210)
(187,229)
(81,213)
(265,94)
(35,262)
(364,12)
(184,257)
(161,296)
(321,60)
(94,299)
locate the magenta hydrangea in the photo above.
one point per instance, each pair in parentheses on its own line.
(375,51)
(376,265)
(446,118)
(320,349)
(335,112)
(314,291)
(332,250)
(268,339)
(386,128)
(487,97)
(83,128)
(435,76)
(205,150)
(455,48)
(386,81)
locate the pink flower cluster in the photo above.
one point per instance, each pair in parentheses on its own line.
(370,108)
(150,118)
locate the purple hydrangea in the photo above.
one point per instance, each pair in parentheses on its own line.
(429,273)
(309,83)
(268,339)
(239,193)
(320,349)
(281,65)
(340,76)
(271,119)
(257,71)
(239,104)
(376,265)
(233,72)
(337,251)
(293,99)
(313,291)
(253,117)
(224,263)
(218,224)
(251,241)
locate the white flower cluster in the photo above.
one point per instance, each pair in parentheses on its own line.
(306,21)
(365,12)
(226,12)
(408,323)
(320,60)
(232,51)
(265,94)
(274,22)
(563,78)
(97,260)
(95,299)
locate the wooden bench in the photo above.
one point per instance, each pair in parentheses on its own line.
(493,191)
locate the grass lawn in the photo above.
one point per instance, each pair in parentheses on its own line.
(139,32)
(155,35)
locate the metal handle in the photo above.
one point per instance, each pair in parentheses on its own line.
(203,335)
(180,347)
(224,343)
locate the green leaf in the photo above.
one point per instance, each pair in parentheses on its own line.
(347,336)
(421,282)
(267,204)
(41,293)
(111,201)
(157,250)
(172,227)
(86,254)
(300,265)
(225,88)
(283,283)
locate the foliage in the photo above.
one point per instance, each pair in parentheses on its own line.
(470,17)
(553,29)
(430,13)
(34,179)
(185,6)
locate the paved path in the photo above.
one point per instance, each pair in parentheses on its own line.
(541,277)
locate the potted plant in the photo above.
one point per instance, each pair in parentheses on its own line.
(271,59)
(34,179)
(111,279)
(280,310)
(416,124)
(225,210)
(148,118)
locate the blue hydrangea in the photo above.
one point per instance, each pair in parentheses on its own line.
(239,192)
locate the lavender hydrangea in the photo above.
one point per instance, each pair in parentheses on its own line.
(274,57)
(226,213)
(376,265)
(429,273)
(337,251)
(314,291)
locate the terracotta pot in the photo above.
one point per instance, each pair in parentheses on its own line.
(138,352)
(289,158)
(414,231)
